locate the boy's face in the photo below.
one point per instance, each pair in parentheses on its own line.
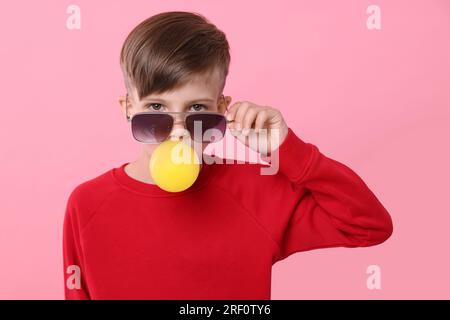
(201,93)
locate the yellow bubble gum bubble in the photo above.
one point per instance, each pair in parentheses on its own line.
(174,166)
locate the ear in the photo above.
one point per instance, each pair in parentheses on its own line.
(123,105)
(224,102)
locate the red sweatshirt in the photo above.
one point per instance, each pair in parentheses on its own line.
(126,239)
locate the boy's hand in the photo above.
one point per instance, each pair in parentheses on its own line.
(261,128)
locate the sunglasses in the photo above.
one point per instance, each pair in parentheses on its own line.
(156,126)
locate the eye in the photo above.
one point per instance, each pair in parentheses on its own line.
(154,106)
(198,107)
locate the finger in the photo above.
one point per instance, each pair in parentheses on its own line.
(249,119)
(240,115)
(231,113)
(261,120)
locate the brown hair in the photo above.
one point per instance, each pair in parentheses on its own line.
(162,52)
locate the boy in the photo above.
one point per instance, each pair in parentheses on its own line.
(126,238)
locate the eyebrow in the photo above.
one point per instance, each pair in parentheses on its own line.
(196,100)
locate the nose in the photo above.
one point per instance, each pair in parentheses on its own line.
(179,131)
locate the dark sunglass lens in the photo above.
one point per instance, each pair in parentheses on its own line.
(206,127)
(151,127)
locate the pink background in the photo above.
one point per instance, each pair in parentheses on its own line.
(376,100)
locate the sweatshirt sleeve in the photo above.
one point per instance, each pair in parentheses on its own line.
(74,282)
(332,206)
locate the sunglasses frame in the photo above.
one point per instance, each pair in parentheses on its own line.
(185,115)
(129,119)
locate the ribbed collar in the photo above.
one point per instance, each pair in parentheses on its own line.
(149,189)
